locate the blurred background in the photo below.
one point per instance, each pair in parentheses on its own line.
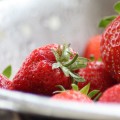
(28,24)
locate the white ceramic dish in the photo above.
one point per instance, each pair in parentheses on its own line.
(38,105)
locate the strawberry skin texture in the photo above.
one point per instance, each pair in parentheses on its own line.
(96,74)
(93,47)
(71,95)
(111,95)
(5,83)
(36,74)
(110,48)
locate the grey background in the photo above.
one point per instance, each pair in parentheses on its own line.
(28,24)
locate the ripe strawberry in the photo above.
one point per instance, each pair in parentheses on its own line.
(111,95)
(72,95)
(5,83)
(96,75)
(110,46)
(47,67)
(93,47)
(77,95)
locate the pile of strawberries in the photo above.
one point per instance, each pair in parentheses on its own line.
(58,71)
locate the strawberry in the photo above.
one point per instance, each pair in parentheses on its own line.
(47,67)
(111,95)
(72,95)
(76,95)
(5,83)
(110,48)
(96,74)
(110,45)
(93,47)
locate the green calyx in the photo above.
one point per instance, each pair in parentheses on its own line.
(95,94)
(69,62)
(107,20)
(117,7)
(7,71)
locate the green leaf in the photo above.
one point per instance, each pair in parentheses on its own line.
(93,93)
(75,87)
(97,97)
(68,73)
(85,89)
(80,79)
(117,7)
(7,71)
(61,87)
(76,77)
(55,92)
(72,61)
(106,21)
(65,71)
(79,63)
(56,55)
(56,65)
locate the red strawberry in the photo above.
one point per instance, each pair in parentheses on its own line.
(5,83)
(110,43)
(111,95)
(82,95)
(93,47)
(72,95)
(96,75)
(110,48)
(47,67)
